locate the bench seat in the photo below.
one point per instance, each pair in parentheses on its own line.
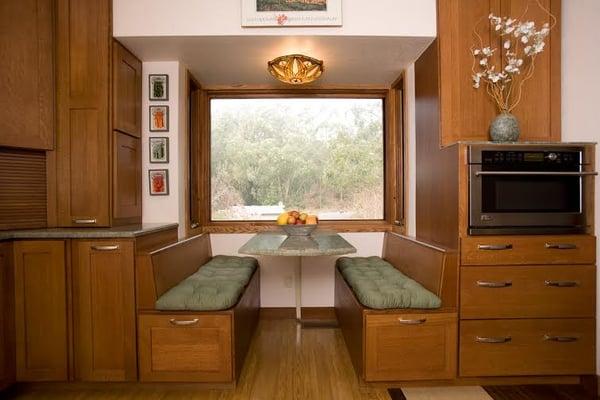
(377,284)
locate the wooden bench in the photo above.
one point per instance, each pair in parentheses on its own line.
(404,344)
(190,346)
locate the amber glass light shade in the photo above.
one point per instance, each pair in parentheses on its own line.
(296,69)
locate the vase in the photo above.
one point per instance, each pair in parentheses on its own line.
(505,128)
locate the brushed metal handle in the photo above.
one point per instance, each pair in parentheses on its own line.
(175,322)
(561,246)
(85,221)
(561,284)
(534,173)
(493,340)
(561,339)
(412,321)
(487,284)
(494,246)
(111,247)
(194,225)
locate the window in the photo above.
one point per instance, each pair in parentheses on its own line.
(322,155)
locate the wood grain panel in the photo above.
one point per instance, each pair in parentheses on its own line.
(23,189)
(7,317)
(104,311)
(127,91)
(527,350)
(41,311)
(245,321)
(27,70)
(127,179)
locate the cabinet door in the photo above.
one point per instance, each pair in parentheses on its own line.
(83,135)
(7,317)
(127,179)
(41,311)
(104,311)
(127,91)
(27,71)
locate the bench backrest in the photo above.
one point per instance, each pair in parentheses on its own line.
(433,267)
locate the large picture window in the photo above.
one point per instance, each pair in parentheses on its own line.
(322,155)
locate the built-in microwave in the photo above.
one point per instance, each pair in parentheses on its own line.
(527,189)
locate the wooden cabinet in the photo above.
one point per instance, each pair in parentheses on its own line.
(127,179)
(104,310)
(41,311)
(26,68)
(7,317)
(127,91)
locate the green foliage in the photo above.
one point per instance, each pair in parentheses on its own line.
(284,5)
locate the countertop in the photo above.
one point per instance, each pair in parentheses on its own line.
(320,243)
(126,231)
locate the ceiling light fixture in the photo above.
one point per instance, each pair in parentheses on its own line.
(296,69)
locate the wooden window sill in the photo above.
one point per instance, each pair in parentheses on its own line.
(337,226)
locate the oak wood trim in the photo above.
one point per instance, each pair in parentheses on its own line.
(7,316)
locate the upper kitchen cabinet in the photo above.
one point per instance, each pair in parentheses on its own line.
(27,71)
(127,91)
(444,87)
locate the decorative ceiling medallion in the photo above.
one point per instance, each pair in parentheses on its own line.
(296,69)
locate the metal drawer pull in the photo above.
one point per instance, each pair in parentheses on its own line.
(486,284)
(84,221)
(501,339)
(106,248)
(412,321)
(194,321)
(534,173)
(494,246)
(561,246)
(561,339)
(561,283)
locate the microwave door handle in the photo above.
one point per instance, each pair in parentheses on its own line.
(534,173)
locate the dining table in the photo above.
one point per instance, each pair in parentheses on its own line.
(279,244)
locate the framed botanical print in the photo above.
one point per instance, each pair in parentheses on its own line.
(257,13)
(159,182)
(159,118)
(159,87)
(159,150)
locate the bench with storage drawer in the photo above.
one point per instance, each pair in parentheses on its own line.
(400,344)
(196,314)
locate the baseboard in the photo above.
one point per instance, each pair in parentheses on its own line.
(313,313)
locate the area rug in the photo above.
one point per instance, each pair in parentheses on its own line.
(528,392)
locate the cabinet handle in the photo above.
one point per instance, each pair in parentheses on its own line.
(194,225)
(561,339)
(561,283)
(494,246)
(499,339)
(561,246)
(85,221)
(412,321)
(486,284)
(175,322)
(112,247)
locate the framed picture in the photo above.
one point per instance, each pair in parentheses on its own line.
(159,87)
(256,13)
(159,118)
(159,150)
(159,182)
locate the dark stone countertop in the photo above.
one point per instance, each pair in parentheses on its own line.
(125,231)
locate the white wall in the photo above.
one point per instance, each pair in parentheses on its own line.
(581,86)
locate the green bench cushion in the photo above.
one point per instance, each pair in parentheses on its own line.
(377,284)
(217,285)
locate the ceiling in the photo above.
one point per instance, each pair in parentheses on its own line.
(242,60)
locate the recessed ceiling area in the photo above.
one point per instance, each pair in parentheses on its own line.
(242,60)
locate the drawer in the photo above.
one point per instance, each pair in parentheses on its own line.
(400,347)
(528,291)
(527,347)
(522,250)
(185,348)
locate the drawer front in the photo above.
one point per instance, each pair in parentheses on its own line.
(527,347)
(523,250)
(528,292)
(185,348)
(401,347)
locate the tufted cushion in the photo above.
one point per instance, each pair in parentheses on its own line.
(377,284)
(217,285)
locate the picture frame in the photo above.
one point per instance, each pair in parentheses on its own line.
(261,13)
(159,182)
(158,85)
(159,150)
(159,118)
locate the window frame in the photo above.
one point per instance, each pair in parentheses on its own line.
(393,154)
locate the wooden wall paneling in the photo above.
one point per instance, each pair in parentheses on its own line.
(27,70)
(197,116)
(7,317)
(41,311)
(83,71)
(104,310)
(22,189)
(126,91)
(127,179)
